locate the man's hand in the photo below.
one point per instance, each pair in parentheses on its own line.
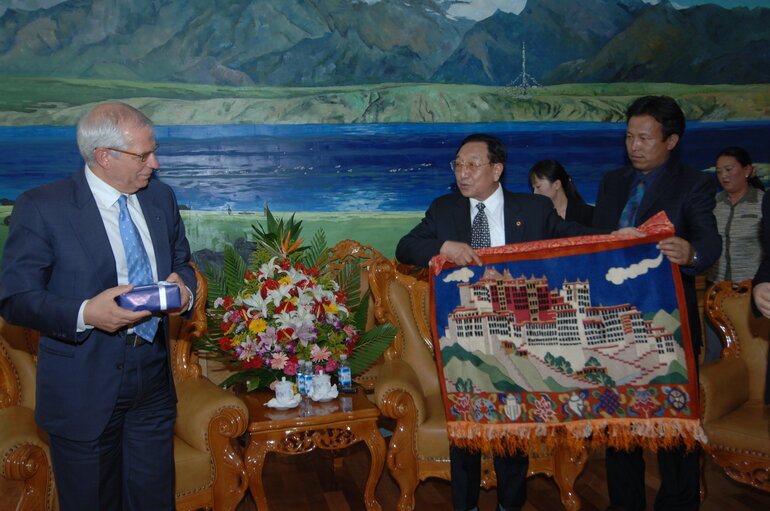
(629,231)
(184,294)
(678,250)
(459,253)
(761,294)
(104,313)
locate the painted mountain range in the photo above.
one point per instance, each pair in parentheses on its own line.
(345,42)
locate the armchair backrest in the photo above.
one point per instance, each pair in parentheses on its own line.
(20,338)
(184,360)
(17,376)
(407,306)
(744,335)
(347,251)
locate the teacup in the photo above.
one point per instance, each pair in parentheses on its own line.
(284,392)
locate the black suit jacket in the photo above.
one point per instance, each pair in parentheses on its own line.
(580,212)
(687,197)
(527,217)
(763,274)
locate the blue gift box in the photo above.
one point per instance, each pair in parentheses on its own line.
(153,297)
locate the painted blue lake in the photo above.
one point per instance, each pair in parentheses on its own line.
(356,168)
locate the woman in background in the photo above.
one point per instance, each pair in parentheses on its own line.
(548,177)
(738,212)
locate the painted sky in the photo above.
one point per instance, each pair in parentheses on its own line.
(472,9)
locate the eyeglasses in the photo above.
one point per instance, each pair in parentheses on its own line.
(142,156)
(459,165)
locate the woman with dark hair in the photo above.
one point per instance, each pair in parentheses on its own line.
(738,212)
(548,177)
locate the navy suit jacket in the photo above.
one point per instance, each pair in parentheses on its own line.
(687,197)
(56,256)
(527,217)
(763,272)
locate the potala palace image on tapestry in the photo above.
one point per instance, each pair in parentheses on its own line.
(509,333)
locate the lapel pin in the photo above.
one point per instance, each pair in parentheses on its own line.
(518,223)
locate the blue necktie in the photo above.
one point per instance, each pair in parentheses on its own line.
(139,269)
(628,217)
(480,237)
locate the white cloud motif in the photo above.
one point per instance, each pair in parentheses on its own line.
(461,275)
(619,275)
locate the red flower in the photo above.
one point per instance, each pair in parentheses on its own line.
(224,343)
(285,307)
(227,302)
(250,275)
(342,297)
(284,264)
(252,363)
(285,335)
(269,285)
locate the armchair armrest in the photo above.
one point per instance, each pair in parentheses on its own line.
(24,457)
(199,403)
(399,375)
(725,385)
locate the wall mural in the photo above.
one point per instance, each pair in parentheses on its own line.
(348,111)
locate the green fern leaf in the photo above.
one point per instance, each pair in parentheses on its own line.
(370,346)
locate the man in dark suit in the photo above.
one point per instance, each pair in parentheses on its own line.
(655,181)
(761,285)
(104,393)
(448,228)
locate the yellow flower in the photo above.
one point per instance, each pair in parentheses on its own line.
(331,308)
(285,280)
(257,325)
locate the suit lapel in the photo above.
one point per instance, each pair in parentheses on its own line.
(513,220)
(462,219)
(88,229)
(666,181)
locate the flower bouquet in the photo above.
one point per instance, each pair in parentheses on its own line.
(266,317)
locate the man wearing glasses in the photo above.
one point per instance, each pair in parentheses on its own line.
(104,388)
(482,214)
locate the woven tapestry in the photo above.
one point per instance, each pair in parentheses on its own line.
(566,341)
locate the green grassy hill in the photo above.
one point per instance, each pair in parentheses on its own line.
(61,102)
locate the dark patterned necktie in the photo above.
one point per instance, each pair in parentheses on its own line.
(139,269)
(628,217)
(480,229)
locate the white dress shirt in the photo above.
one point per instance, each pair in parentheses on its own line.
(107,201)
(495,210)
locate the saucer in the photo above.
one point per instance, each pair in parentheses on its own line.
(325,399)
(276,405)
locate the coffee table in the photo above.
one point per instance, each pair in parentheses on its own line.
(336,424)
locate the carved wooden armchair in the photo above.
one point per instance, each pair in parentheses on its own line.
(408,391)
(209,473)
(25,467)
(736,421)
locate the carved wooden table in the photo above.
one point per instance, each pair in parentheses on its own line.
(336,424)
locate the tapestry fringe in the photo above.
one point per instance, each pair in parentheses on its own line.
(624,434)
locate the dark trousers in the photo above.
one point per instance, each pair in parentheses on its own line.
(679,479)
(130,466)
(511,474)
